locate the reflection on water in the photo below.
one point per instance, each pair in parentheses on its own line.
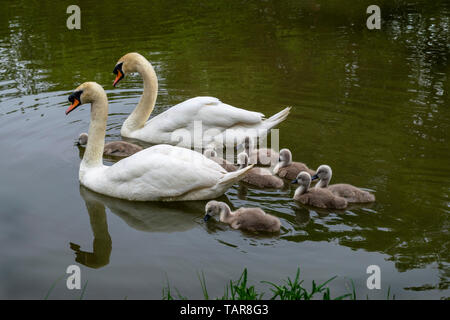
(148,216)
(102,244)
(371,104)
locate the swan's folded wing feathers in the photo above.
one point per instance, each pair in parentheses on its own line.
(165,170)
(226,116)
(210,111)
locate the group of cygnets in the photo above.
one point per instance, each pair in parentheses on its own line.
(165,172)
(323,195)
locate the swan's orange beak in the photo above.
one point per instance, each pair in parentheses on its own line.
(75,99)
(118,78)
(75,104)
(118,72)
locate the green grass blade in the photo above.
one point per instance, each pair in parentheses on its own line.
(83,290)
(53,287)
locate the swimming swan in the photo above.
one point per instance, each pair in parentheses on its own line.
(351,193)
(159,173)
(316,197)
(176,125)
(114,148)
(251,219)
(258,177)
(288,169)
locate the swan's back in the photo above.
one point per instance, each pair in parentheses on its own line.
(162,172)
(121,149)
(351,193)
(291,171)
(321,198)
(263,178)
(209,110)
(255,219)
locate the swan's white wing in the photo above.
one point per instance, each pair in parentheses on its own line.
(161,171)
(210,111)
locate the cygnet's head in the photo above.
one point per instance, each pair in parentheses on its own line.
(242,160)
(303,179)
(82,139)
(323,173)
(210,153)
(213,208)
(285,156)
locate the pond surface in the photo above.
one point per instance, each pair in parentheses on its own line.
(373,104)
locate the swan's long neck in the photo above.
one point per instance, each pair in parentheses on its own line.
(93,156)
(300,190)
(225,213)
(287,160)
(137,119)
(323,183)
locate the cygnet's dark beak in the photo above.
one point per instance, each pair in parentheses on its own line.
(206,217)
(314,177)
(294,181)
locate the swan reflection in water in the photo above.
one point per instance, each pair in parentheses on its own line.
(164,217)
(102,244)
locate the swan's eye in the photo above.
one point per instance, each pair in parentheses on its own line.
(118,68)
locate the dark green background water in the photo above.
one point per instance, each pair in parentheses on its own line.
(372,104)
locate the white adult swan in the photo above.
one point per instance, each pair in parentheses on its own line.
(218,123)
(159,173)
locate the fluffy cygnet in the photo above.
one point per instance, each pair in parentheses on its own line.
(351,193)
(258,177)
(288,169)
(250,219)
(115,148)
(316,197)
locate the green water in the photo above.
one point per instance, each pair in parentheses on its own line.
(373,104)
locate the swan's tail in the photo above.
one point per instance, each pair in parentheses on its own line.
(232,177)
(276,119)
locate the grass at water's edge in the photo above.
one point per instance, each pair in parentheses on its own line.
(289,289)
